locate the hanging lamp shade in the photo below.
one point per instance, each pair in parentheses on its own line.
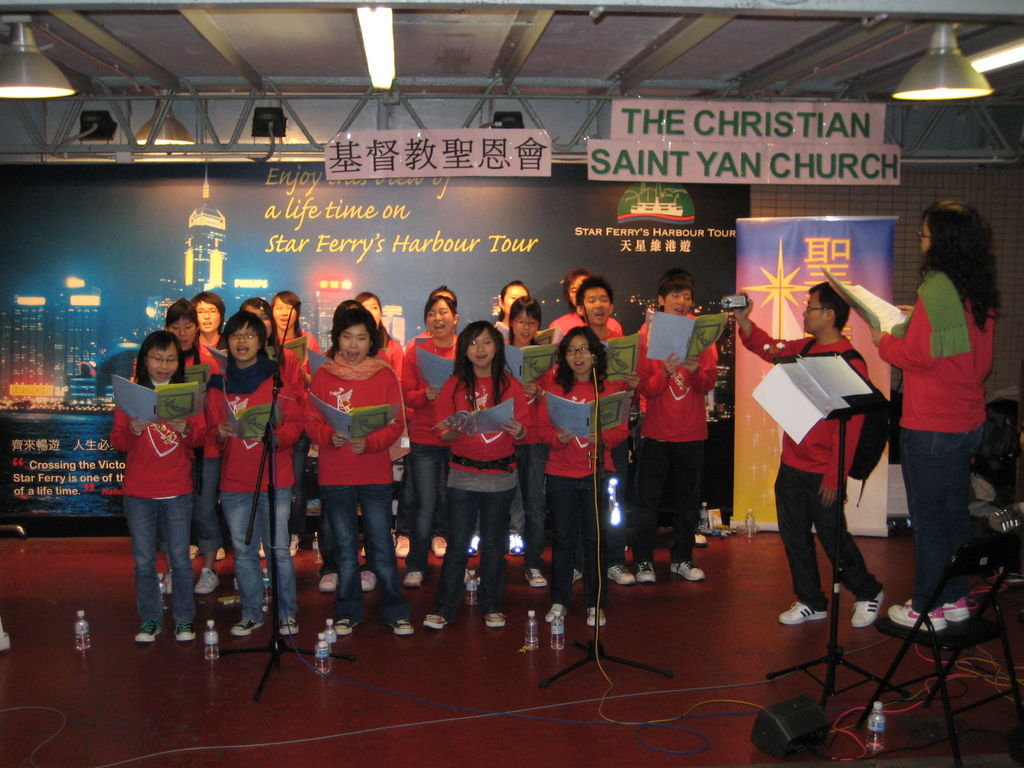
(943,72)
(171,130)
(25,73)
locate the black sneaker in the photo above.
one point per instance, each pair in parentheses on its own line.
(183,631)
(245,627)
(147,632)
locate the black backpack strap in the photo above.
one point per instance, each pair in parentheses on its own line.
(807,347)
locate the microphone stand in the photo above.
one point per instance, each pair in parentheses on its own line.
(277,646)
(594,647)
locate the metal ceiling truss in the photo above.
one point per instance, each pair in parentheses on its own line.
(52,134)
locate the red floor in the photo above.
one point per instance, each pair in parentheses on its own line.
(461,697)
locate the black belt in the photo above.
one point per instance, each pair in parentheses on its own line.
(506,464)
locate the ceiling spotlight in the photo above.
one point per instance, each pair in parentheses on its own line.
(170,132)
(25,73)
(943,73)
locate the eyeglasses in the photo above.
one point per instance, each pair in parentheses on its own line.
(239,336)
(207,312)
(162,360)
(813,309)
(577,351)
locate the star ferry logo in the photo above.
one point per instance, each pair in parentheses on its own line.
(778,290)
(663,203)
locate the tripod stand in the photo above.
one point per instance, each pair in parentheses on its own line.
(277,646)
(594,647)
(834,654)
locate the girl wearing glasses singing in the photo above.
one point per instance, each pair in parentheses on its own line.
(248,381)
(158,490)
(580,376)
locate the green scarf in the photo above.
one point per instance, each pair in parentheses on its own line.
(945,313)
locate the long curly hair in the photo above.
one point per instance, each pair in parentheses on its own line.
(960,245)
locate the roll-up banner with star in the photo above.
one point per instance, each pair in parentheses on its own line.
(777,261)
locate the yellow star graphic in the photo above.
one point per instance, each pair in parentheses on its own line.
(780,288)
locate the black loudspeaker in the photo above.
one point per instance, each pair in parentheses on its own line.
(790,726)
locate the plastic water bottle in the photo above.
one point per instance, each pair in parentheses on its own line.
(163,590)
(330,634)
(750,524)
(316,547)
(83,640)
(558,633)
(211,642)
(875,741)
(530,641)
(322,655)
(266,587)
(705,523)
(472,585)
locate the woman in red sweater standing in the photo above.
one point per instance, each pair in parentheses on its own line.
(158,490)
(579,376)
(249,380)
(945,353)
(482,475)
(357,470)
(430,454)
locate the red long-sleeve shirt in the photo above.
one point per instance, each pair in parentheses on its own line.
(159,461)
(482,446)
(341,466)
(241,458)
(572,459)
(675,411)
(945,394)
(414,390)
(818,452)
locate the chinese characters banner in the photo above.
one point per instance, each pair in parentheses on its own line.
(777,261)
(450,152)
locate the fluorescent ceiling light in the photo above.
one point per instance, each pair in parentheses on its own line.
(25,73)
(943,72)
(997,58)
(378,44)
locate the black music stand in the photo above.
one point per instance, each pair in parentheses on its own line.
(593,647)
(277,646)
(834,654)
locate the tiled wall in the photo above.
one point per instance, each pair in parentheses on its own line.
(997,193)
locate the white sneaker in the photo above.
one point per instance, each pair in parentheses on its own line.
(593,617)
(329,582)
(535,578)
(866,611)
(557,609)
(620,575)
(645,573)
(439,546)
(368,580)
(413,580)
(687,570)
(402,547)
(798,613)
(208,582)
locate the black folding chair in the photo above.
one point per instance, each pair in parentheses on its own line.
(990,558)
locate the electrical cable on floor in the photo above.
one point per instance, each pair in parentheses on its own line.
(48,739)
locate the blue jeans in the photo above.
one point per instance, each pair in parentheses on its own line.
(936,472)
(247,556)
(429,465)
(531,458)
(172,517)
(339,504)
(465,507)
(204,509)
(571,502)
(678,466)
